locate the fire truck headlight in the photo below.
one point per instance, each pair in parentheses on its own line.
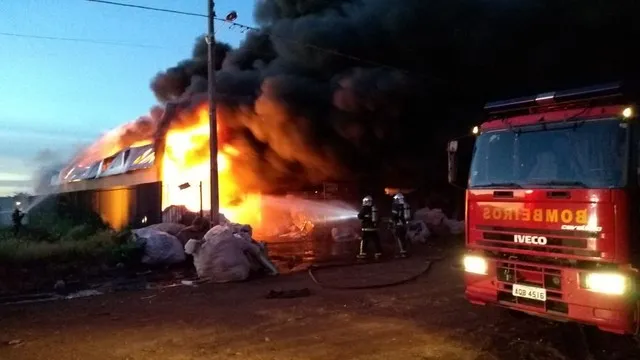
(606,283)
(475,265)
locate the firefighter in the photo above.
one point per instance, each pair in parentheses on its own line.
(400,216)
(16,217)
(368,216)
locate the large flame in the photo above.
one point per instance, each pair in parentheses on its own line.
(186,160)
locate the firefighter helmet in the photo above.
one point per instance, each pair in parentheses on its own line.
(367,201)
(398,198)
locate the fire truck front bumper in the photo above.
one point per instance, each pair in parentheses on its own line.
(552,293)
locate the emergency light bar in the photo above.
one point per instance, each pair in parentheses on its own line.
(589,93)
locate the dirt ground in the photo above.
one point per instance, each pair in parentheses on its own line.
(424,319)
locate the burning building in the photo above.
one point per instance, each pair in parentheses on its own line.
(123,188)
(133,173)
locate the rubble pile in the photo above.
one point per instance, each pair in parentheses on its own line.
(285,224)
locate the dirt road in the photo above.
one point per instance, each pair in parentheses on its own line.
(424,319)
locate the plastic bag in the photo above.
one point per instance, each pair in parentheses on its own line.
(160,248)
(227,253)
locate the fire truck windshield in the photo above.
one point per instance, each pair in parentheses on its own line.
(587,154)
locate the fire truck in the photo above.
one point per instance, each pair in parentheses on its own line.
(553,208)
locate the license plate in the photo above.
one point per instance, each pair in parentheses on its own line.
(529,292)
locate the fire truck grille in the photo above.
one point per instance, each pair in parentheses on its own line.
(509,273)
(576,243)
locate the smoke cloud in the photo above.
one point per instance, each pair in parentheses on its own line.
(47,164)
(409,77)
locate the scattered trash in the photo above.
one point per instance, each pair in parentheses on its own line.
(288,294)
(162,287)
(60,286)
(193,283)
(82,294)
(16,342)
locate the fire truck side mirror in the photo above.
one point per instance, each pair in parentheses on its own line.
(452,149)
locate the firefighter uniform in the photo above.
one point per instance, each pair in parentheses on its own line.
(368,216)
(400,216)
(16,217)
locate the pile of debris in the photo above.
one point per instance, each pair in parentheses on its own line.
(427,222)
(224,253)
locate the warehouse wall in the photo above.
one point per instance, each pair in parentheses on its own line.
(137,205)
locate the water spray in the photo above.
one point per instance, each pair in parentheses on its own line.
(36,202)
(347,215)
(319,211)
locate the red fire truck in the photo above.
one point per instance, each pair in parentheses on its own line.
(553,207)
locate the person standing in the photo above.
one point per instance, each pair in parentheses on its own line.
(400,217)
(368,216)
(16,217)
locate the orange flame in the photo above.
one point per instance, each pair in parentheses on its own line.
(186,160)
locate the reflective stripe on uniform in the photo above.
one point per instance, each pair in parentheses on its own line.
(369,229)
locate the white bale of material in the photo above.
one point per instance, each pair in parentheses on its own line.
(431,217)
(418,232)
(435,218)
(227,253)
(456,227)
(160,248)
(169,228)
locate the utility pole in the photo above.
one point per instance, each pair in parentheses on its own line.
(201,208)
(213,121)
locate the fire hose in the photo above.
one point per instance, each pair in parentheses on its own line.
(314,268)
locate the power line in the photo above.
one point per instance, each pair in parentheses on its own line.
(245,28)
(91,41)
(148,8)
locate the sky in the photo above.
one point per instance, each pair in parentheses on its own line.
(57,96)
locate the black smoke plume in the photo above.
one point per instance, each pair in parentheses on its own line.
(395,79)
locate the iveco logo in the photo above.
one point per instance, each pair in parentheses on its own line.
(528,239)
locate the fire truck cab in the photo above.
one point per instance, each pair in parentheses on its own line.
(553,208)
